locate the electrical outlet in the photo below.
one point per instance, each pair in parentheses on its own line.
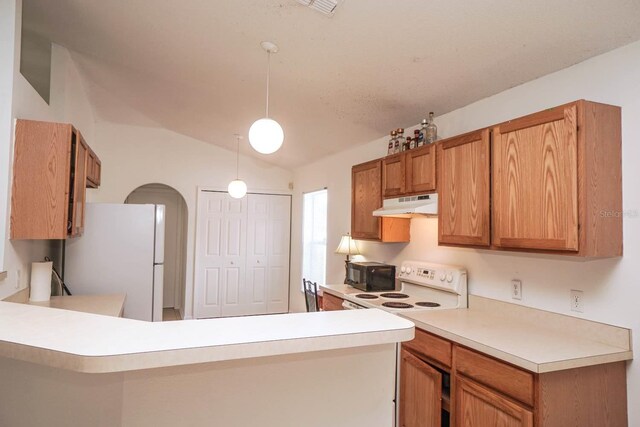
(576,301)
(516,289)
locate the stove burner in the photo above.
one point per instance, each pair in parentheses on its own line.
(428,304)
(394,295)
(367,296)
(394,304)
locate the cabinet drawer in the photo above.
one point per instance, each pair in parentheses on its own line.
(430,346)
(507,379)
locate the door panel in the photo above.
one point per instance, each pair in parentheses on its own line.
(420,170)
(535,188)
(463,190)
(212,286)
(476,405)
(366,196)
(279,240)
(420,393)
(393,175)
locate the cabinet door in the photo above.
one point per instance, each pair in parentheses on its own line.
(331,302)
(393,175)
(463,193)
(366,196)
(535,184)
(480,407)
(420,393)
(79,179)
(420,170)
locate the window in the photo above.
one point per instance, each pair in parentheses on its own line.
(314,238)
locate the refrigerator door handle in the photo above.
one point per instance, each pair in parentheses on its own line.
(158,263)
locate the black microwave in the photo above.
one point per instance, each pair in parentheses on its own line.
(371,276)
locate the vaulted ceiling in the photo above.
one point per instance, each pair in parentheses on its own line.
(196,66)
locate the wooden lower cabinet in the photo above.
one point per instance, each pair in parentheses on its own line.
(487,392)
(476,405)
(331,302)
(421,388)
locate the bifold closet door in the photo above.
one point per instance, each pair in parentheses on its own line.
(220,255)
(242,255)
(267,274)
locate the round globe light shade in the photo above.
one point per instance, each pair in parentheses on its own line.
(237,189)
(266,136)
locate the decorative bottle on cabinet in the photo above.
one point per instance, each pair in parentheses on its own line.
(392,141)
(431,131)
(401,139)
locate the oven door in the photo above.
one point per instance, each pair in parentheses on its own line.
(348,305)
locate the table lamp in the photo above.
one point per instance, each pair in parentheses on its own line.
(347,247)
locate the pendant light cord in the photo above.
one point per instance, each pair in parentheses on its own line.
(268,80)
(238,159)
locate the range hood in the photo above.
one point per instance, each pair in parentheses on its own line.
(409,206)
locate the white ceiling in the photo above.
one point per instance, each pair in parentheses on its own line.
(196,66)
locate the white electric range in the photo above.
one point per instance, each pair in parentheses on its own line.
(423,286)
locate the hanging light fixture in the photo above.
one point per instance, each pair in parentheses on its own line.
(237,188)
(266,135)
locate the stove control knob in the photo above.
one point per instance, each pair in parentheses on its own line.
(449,278)
(403,269)
(408,271)
(442,277)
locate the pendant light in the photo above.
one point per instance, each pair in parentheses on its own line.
(266,135)
(237,188)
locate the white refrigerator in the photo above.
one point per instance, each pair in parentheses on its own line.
(120,251)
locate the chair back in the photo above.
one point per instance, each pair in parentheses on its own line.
(311,295)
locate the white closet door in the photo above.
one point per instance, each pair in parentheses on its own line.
(278,241)
(220,250)
(255,291)
(242,255)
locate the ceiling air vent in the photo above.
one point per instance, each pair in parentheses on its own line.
(328,7)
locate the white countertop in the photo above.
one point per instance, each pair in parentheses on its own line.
(107,305)
(92,343)
(536,340)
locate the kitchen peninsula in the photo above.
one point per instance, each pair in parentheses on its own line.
(230,371)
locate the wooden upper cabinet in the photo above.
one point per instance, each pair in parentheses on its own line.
(535,181)
(476,405)
(408,173)
(555,175)
(463,190)
(94,169)
(420,392)
(366,197)
(49,181)
(420,169)
(393,168)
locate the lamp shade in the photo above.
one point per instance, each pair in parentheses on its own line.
(347,246)
(266,136)
(237,189)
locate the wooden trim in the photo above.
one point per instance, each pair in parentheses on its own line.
(535,119)
(544,244)
(466,138)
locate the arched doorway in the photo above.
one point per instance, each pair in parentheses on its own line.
(175,243)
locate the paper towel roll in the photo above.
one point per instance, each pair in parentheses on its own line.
(40,281)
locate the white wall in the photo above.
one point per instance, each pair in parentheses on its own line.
(611,286)
(133,156)
(68,103)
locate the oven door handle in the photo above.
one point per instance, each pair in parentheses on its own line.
(348,305)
